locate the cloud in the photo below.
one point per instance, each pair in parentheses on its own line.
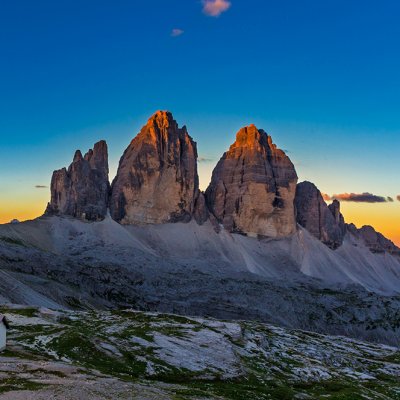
(41,187)
(214,8)
(361,198)
(204,159)
(177,32)
(326,197)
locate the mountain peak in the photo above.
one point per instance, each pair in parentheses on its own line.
(78,156)
(157,179)
(253,186)
(248,136)
(162,119)
(82,190)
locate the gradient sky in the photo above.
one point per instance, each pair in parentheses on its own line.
(322,77)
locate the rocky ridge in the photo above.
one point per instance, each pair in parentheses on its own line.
(374,240)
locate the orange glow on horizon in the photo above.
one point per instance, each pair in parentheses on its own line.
(23,206)
(384,217)
(20,212)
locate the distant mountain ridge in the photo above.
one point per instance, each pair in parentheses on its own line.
(253,189)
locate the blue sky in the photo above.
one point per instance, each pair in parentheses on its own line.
(322,77)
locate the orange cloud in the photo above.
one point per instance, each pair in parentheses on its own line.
(214,8)
(326,197)
(358,197)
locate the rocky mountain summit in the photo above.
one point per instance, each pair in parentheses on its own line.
(253,190)
(253,187)
(82,190)
(324,222)
(157,179)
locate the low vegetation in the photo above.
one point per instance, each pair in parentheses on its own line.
(192,358)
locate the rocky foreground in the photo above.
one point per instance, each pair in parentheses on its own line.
(128,354)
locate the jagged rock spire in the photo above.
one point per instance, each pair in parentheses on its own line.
(157,179)
(82,191)
(324,222)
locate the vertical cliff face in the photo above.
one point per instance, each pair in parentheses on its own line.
(82,191)
(253,187)
(157,179)
(324,222)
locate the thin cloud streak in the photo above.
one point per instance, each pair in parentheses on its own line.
(326,197)
(41,186)
(177,32)
(358,198)
(204,159)
(214,8)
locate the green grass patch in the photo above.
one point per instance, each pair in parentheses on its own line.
(14,383)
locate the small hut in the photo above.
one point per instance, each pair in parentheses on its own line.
(3,332)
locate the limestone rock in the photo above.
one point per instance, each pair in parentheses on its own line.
(324,222)
(157,179)
(334,208)
(201,213)
(82,191)
(374,240)
(253,187)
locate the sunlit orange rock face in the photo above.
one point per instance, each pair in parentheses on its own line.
(253,187)
(157,179)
